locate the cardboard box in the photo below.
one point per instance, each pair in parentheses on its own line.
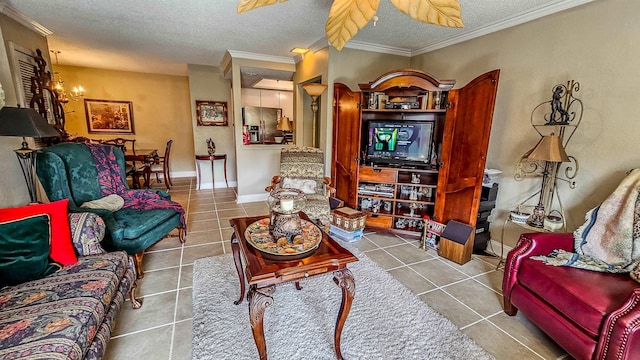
(348,219)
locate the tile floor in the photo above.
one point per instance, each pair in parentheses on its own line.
(469,295)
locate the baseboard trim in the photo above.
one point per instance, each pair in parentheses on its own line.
(251,198)
(182,174)
(219,184)
(495,245)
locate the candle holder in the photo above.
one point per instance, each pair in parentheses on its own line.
(285,205)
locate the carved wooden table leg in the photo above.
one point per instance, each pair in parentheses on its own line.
(235,247)
(344,279)
(259,299)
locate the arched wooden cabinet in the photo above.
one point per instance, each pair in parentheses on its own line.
(408,145)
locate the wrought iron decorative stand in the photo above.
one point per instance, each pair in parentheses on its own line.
(562,117)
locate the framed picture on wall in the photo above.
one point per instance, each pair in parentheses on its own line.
(211,113)
(109,116)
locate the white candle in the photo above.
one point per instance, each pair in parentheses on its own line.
(286,204)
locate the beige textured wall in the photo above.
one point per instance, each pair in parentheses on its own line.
(208,83)
(595,44)
(161,109)
(13,190)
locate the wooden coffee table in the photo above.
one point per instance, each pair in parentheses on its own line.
(263,275)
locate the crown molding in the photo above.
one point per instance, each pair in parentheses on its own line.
(319,44)
(261,57)
(530,15)
(24,20)
(393,50)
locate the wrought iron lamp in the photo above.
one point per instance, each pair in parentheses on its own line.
(314,90)
(550,150)
(26,122)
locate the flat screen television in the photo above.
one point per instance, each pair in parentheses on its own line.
(399,143)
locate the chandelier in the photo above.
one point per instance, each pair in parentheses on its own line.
(76,93)
(346,17)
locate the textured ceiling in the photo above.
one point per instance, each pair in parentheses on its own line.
(162,36)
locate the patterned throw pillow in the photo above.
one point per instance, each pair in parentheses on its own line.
(61,248)
(87,231)
(24,250)
(307,186)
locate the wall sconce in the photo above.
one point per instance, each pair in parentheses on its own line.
(314,90)
(26,122)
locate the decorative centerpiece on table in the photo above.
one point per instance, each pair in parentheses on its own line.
(285,224)
(284,235)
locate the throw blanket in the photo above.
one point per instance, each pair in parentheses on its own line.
(111,182)
(609,240)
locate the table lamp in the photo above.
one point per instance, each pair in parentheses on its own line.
(26,122)
(550,150)
(314,90)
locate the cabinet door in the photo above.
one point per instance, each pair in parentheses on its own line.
(346,143)
(464,149)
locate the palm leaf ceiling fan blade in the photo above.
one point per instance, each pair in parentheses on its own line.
(346,17)
(246,5)
(438,12)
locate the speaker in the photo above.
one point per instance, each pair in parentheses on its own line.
(456,242)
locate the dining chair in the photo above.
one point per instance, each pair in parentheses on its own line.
(161,166)
(122,143)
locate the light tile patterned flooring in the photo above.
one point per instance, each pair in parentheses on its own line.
(469,295)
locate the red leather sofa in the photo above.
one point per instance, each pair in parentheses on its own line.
(592,315)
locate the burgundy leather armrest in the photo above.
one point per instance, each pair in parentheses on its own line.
(620,338)
(532,244)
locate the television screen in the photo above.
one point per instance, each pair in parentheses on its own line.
(402,141)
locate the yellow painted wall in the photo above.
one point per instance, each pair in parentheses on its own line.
(595,44)
(161,109)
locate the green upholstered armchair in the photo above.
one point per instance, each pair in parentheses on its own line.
(68,171)
(303,168)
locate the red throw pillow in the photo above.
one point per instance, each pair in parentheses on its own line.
(61,247)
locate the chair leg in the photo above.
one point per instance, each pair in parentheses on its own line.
(137,259)
(135,302)
(509,309)
(181,234)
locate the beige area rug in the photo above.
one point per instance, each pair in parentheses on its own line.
(386,321)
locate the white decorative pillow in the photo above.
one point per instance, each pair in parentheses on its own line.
(111,202)
(307,186)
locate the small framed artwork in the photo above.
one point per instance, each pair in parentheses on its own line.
(109,116)
(211,113)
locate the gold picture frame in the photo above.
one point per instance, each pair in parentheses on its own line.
(211,113)
(109,116)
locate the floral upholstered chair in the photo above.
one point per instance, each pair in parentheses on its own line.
(303,168)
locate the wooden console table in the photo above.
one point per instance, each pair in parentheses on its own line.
(211,158)
(263,275)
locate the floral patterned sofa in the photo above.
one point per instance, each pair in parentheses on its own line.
(70,313)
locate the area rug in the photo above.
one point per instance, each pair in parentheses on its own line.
(386,321)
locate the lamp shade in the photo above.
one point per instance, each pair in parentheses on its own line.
(24,122)
(549,148)
(314,89)
(284,124)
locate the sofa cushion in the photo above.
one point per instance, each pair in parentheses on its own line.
(137,223)
(584,297)
(62,312)
(61,247)
(24,250)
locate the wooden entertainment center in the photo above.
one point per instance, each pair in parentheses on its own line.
(408,145)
